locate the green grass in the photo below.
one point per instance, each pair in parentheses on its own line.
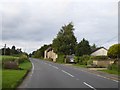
(111,72)
(78,65)
(0,79)
(12,78)
(26,65)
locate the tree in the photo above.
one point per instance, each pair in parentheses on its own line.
(7,51)
(40,52)
(13,50)
(114,51)
(65,41)
(83,48)
(93,47)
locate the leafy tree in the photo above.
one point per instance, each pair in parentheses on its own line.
(93,47)
(13,50)
(114,51)
(7,51)
(83,48)
(40,52)
(65,41)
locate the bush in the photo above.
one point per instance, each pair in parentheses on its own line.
(90,62)
(99,57)
(115,67)
(22,58)
(83,60)
(114,51)
(76,58)
(60,58)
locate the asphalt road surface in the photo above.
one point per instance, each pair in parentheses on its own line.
(47,74)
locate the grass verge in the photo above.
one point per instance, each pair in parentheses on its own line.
(12,78)
(78,65)
(111,72)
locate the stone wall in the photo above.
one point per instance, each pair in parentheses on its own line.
(103,63)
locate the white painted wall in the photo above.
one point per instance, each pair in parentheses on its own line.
(100,52)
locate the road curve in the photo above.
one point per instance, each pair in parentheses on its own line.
(47,74)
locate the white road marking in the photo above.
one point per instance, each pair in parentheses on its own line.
(67,73)
(55,67)
(107,78)
(97,75)
(32,68)
(89,86)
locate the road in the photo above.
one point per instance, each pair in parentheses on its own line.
(47,74)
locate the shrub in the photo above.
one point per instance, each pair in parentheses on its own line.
(99,57)
(83,60)
(115,67)
(90,62)
(60,58)
(22,58)
(76,58)
(114,51)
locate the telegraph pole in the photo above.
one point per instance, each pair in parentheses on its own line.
(4,49)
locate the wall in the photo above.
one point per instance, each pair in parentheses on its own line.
(103,63)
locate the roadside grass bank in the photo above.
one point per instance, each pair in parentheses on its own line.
(111,72)
(81,66)
(12,78)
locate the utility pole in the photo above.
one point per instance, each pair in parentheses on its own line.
(4,49)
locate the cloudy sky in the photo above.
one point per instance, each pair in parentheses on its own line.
(29,24)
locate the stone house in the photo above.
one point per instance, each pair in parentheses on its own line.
(50,54)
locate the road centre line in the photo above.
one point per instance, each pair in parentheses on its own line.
(89,85)
(55,67)
(67,73)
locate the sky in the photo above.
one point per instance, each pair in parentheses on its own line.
(29,24)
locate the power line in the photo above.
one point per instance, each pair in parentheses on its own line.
(109,40)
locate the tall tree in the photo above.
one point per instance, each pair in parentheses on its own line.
(83,48)
(93,47)
(13,50)
(65,41)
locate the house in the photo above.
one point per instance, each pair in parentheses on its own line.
(50,54)
(102,52)
(99,52)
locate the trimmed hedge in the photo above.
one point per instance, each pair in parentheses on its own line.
(83,60)
(99,57)
(60,59)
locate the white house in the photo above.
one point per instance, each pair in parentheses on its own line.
(100,52)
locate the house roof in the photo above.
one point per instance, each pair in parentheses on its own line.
(98,49)
(48,49)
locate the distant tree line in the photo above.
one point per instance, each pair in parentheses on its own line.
(10,51)
(39,53)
